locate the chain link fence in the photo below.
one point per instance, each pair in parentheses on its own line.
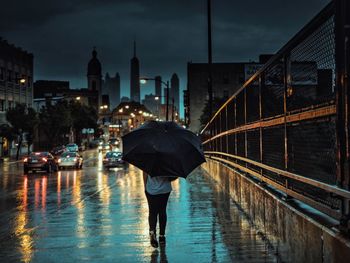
(284,118)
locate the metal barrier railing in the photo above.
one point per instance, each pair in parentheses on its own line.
(282,125)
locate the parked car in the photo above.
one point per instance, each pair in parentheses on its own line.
(39,161)
(114,142)
(70,159)
(72,147)
(96,142)
(113,159)
(104,147)
(58,150)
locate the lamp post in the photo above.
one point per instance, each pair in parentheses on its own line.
(144,81)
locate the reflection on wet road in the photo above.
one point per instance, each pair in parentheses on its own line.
(101,216)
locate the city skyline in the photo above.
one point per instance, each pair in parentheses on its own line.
(61,35)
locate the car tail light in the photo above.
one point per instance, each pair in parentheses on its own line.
(44,159)
(25,160)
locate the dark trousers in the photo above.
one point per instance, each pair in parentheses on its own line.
(157,208)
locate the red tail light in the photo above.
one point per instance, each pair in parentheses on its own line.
(44,159)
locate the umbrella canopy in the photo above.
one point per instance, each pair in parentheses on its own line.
(163,149)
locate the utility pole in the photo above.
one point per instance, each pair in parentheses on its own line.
(210,84)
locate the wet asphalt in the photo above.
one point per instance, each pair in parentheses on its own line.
(97,215)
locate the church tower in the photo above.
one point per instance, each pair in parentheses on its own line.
(135,77)
(94,77)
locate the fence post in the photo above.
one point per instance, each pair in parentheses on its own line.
(261,147)
(342,60)
(245,123)
(235,125)
(286,84)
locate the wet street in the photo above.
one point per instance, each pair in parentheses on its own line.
(101,216)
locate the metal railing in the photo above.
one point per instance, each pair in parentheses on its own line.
(282,126)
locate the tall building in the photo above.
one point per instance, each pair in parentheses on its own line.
(50,88)
(16,77)
(226,79)
(94,77)
(16,82)
(175,91)
(135,78)
(52,91)
(158,85)
(111,87)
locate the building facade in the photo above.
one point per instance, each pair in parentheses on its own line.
(51,91)
(135,78)
(226,79)
(152,103)
(128,116)
(16,82)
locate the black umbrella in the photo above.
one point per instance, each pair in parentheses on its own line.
(163,149)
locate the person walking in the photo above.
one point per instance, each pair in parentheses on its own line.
(157,191)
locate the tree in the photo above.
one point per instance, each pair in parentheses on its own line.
(55,122)
(82,117)
(205,118)
(6,132)
(22,120)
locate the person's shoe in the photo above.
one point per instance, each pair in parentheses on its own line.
(153,239)
(161,240)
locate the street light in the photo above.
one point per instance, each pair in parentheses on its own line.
(21,80)
(144,81)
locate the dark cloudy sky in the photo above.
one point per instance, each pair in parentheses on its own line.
(169,33)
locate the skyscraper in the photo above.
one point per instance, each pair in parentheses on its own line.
(135,78)
(112,88)
(158,85)
(174,91)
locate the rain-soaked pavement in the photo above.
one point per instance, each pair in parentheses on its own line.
(101,216)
